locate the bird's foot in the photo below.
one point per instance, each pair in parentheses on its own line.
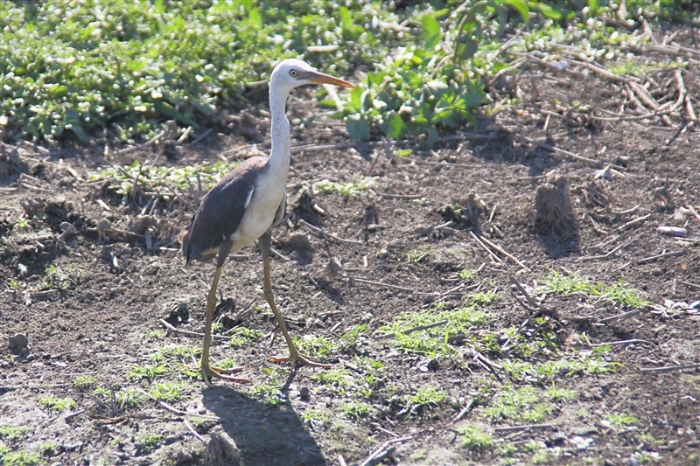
(298,358)
(209,373)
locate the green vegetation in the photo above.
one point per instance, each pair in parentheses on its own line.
(241,336)
(356,410)
(267,392)
(147,372)
(149,442)
(315,418)
(84,382)
(335,381)
(57,404)
(129,397)
(425,399)
(350,189)
(12,433)
(75,68)
(475,438)
(574,284)
(622,419)
(523,404)
(156,334)
(314,346)
(167,391)
(133,179)
(18,458)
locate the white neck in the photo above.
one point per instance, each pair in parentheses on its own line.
(279,155)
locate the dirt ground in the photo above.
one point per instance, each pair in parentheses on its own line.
(91,301)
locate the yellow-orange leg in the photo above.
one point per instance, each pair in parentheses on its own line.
(207,371)
(294,356)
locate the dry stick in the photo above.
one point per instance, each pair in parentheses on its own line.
(414,329)
(400,196)
(630,118)
(661,256)
(525,293)
(188,424)
(692,285)
(464,410)
(190,333)
(670,368)
(595,163)
(505,253)
(693,211)
(141,146)
(620,316)
(485,248)
(205,134)
(612,251)
(383,451)
(322,233)
(527,427)
(632,223)
(621,342)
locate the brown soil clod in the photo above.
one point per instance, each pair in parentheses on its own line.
(222,451)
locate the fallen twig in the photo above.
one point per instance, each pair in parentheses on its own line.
(608,254)
(620,316)
(188,424)
(505,253)
(485,248)
(203,135)
(595,163)
(670,368)
(661,256)
(323,233)
(190,333)
(141,146)
(531,301)
(634,222)
(383,451)
(619,343)
(525,427)
(387,285)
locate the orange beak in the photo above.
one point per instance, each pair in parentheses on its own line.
(315,77)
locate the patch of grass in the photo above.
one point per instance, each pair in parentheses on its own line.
(147,372)
(14,285)
(12,433)
(18,458)
(156,334)
(351,337)
(475,438)
(22,224)
(48,449)
(56,278)
(425,399)
(148,442)
(84,382)
(177,353)
(129,397)
(467,274)
(479,299)
(561,394)
(314,346)
(315,418)
(57,404)
(622,420)
(575,284)
(356,410)
(351,189)
(241,336)
(432,341)
(267,392)
(167,391)
(523,404)
(132,179)
(335,381)
(415,256)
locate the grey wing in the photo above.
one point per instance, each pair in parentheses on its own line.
(219,215)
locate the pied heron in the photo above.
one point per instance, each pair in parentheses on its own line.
(246,204)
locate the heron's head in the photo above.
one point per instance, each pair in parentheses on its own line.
(293,73)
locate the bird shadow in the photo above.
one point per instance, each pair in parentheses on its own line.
(264,434)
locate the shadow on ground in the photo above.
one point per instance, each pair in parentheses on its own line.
(264,434)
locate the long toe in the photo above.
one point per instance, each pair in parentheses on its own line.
(209,373)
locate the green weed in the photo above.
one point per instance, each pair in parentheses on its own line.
(12,433)
(350,189)
(467,274)
(84,382)
(156,334)
(523,404)
(619,294)
(425,399)
(335,381)
(314,417)
(475,438)
(57,404)
(167,391)
(147,443)
(314,346)
(147,372)
(129,397)
(241,336)
(18,458)
(622,419)
(356,410)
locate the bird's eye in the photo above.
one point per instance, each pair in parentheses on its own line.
(293,73)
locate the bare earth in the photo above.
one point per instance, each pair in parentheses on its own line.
(95,312)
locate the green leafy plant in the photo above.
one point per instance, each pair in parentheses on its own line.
(475,438)
(241,336)
(84,382)
(57,404)
(167,391)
